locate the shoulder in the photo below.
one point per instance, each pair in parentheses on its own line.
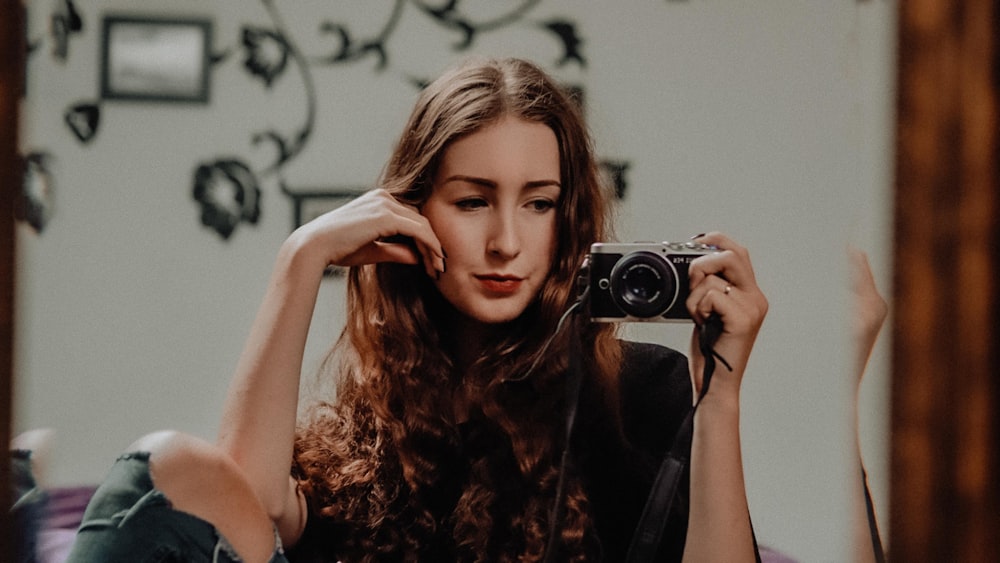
(655,392)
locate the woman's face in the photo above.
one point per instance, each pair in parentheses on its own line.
(493,207)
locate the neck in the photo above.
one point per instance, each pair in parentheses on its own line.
(470,338)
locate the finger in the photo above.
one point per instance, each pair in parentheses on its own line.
(433,262)
(406,227)
(376,252)
(410,222)
(725,264)
(411,251)
(715,238)
(402,250)
(424,240)
(739,309)
(731,262)
(861,269)
(702,300)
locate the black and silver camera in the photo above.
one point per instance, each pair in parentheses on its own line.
(640,282)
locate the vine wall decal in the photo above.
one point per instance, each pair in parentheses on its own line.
(227,188)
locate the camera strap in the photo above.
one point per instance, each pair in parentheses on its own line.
(649,530)
(573,383)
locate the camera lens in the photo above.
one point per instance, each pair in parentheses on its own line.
(643,284)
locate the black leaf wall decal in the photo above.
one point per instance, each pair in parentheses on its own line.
(266,53)
(228,194)
(83,120)
(36,204)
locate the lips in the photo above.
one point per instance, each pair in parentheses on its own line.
(500,284)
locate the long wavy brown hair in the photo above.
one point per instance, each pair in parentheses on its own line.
(387,468)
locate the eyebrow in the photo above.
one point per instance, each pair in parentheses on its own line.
(486,183)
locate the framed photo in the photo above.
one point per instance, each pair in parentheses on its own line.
(309,204)
(155,59)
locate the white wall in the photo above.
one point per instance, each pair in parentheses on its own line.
(770,121)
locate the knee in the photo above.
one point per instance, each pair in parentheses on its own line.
(171,443)
(201,479)
(179,461)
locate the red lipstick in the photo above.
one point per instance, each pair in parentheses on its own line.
(500,284)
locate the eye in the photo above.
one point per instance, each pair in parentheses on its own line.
(471,203)
(542,205)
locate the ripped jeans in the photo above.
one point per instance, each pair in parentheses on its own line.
(128,520)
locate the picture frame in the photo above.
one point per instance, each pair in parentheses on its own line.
(308,204)
(155,59)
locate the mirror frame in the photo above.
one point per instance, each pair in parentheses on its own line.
(944,494)
(13,43)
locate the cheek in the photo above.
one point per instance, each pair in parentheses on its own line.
(453,235)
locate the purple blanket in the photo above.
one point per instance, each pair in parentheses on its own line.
(64,512)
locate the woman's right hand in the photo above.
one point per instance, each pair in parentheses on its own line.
(374,227)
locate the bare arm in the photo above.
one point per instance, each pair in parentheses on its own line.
(258,423)
(719,520)
(259,416)
(868,315)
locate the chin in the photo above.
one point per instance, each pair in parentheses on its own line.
(493,319)
(494,315)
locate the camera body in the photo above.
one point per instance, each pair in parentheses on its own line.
(641,281)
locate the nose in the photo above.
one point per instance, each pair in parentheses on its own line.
(505,237)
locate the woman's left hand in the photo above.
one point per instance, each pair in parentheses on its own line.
(724,283)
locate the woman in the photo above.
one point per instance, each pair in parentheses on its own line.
(444,437)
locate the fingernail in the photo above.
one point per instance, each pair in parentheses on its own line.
(444,264)
(698,236)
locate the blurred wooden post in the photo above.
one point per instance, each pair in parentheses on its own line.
(945,491)
(12,62)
